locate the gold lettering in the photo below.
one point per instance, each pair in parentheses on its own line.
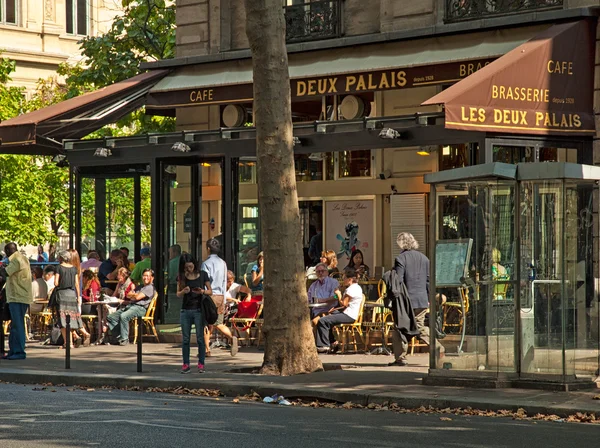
(371,85)
(463,117)
(401,78)
(322,86)
(332,88)
(360,85)
(523,117)
(462,70)
(384,84)
(312,87)
(193,96)
(563,121)
(577,120)
(301,88)
(350,81)
(539,116)
(481,113)
(494,91)
(497,116)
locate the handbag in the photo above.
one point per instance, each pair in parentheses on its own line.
(209,310)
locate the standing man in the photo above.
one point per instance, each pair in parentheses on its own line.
(141,266)
(138,302)
(412,268)
(216,268)
(19,297)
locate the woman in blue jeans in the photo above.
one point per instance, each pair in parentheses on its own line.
(192,285)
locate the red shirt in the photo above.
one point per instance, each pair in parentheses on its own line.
(89,294)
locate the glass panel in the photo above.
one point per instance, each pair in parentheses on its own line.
(70,24)
(82,17)
(513,154)
(88,215)
(247,169)
(311,219)
(178,220)
(455,156)
(581,310)
(249,239)
(329,166)
(541,265)
(354,164)
(308,169)
(479,315)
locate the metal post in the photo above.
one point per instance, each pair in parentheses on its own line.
(68,343)
(140,324)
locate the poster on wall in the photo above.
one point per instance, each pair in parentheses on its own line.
(348,227)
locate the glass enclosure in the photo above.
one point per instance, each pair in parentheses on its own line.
(516,259)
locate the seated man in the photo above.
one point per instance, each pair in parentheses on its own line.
(346,313)
(135,306)
(39,288)
(325,290)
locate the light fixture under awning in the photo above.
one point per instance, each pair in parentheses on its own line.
(544,86)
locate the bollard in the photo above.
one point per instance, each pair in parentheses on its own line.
(140,324)
(68,343)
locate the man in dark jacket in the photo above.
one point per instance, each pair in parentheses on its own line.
(412,268)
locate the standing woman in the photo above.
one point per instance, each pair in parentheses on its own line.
(67,285)
(192,285)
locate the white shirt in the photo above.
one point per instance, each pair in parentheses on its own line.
(356,295)
(232,292)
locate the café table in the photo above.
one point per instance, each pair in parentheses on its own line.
(382,349)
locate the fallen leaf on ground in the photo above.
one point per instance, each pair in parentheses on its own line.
(445,419)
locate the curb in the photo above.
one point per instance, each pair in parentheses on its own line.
(232,388)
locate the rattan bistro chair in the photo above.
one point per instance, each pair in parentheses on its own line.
(346,331)
(148,322)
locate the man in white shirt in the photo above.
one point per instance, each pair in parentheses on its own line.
(346,313)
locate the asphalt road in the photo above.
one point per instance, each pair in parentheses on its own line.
(58,417)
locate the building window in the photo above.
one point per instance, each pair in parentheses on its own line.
(78,17)
(8,11)
(457,10)
(312,20)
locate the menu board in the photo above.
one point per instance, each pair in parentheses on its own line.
(451,261)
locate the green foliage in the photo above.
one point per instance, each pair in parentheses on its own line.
(11,98)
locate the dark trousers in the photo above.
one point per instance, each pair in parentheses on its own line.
(326,324)
(189,317)
(16,338)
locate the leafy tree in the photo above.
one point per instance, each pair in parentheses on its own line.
(11,98)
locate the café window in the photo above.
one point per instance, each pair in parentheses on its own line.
(349,164)
(458,156)
(309,167)
(247,170)
(8,11)
(78,17)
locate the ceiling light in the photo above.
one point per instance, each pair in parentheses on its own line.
(317,156)
(297,141)
(102,152)
(389,133)
(426,150)
(180,147)
(171,169)
(205,164)
(58,158)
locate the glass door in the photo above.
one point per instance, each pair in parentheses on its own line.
(181,222)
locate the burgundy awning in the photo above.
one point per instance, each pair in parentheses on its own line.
(42,131)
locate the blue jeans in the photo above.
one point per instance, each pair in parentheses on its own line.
(16,339)
(187,318)
(122,318)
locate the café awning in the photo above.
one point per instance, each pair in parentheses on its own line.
(42,131)
(544,86)
(395,65)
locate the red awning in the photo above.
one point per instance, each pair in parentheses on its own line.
(544,86)
(42,131)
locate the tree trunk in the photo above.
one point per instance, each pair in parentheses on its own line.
(289,347)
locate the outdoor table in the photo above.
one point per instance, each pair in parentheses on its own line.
(381,350)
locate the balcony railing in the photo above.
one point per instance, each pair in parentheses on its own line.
(457,10)
(313,21)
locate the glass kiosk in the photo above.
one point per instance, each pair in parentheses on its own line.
(516,260)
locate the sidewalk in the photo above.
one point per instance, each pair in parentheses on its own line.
(361,379)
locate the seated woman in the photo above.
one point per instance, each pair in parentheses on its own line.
(123,288)
(330,259)
(257,276)
(90,292)
(346,312)
(357,263)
